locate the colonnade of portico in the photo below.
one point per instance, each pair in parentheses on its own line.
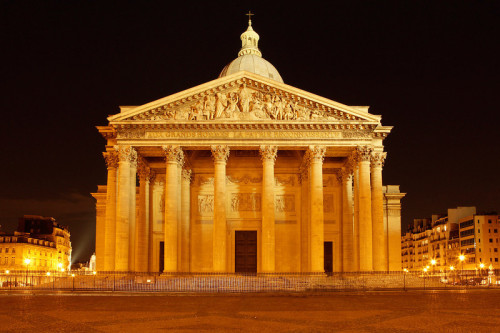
(127,236)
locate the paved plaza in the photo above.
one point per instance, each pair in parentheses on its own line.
(414,311)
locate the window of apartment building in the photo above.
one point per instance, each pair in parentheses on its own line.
(496,259)
(489,231)
(491,240)
(478,231)
(7,250)
(495,249)
(491,260)
(13,261)
(495,231)
(0,250)
(13,250)
(489,221)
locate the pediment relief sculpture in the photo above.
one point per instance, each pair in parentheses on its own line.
(242,102)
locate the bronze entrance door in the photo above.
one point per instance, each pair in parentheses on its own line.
(328,257)
(245,248)
(162,257)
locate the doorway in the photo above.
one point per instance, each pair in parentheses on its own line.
(245,248)
(162,256)
(328,255)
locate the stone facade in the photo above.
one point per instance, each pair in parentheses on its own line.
(39,244)
(246,152)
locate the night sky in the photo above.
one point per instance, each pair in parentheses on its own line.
(430,68)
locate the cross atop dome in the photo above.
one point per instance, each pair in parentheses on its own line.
(249,17)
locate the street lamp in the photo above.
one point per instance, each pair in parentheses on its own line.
(27,261)
(7,272)
(433,263)
(462,258)
(481,266)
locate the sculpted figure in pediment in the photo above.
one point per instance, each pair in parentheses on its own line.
(245,98)
(220,105)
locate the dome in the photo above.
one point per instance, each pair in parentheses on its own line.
(250,58)
(254,64)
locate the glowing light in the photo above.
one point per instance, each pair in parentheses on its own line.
(425,269)
(7,272)
(405,270)
(59,265)
(452,268)
(27,261)
(72,275)
(433,262)
(94,272)
(48,273)
(481,265)
(461,257)
(62,269)
(148,281)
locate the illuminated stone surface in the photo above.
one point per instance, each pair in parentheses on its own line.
(472,311)
(261,156)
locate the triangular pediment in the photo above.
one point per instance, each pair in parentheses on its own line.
(243,97)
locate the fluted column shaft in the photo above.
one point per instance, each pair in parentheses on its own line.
(172,155)
(365,210)
(355,177)
(108,257)
(316,155)
(380,259)
(127,156)
(141,227)
(185,220)
(220,155)
(347,223)
(268,154)
(133,214)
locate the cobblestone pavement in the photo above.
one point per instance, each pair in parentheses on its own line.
(414,311)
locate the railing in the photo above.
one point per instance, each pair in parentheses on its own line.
(230,282)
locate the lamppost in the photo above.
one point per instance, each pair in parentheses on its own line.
(94,273)
(481,266)
(433,263)
(27,262)
(461,258)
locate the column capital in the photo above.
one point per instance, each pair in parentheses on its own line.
(268,153)
(186,174)
(364,153)
(220,153)
(126,154)
(172,153)
(378,159)
(111,158)
(316,153)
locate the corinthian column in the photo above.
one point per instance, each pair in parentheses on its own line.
(380,261)
(126,155)
(353,163)
(172,156)
(347,222)
(268,154)
(365,209)
(316,155)
(185,219)
(108,257)
(141,227)
(133,213)
(220,155)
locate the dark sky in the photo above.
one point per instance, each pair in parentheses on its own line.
(430,68)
